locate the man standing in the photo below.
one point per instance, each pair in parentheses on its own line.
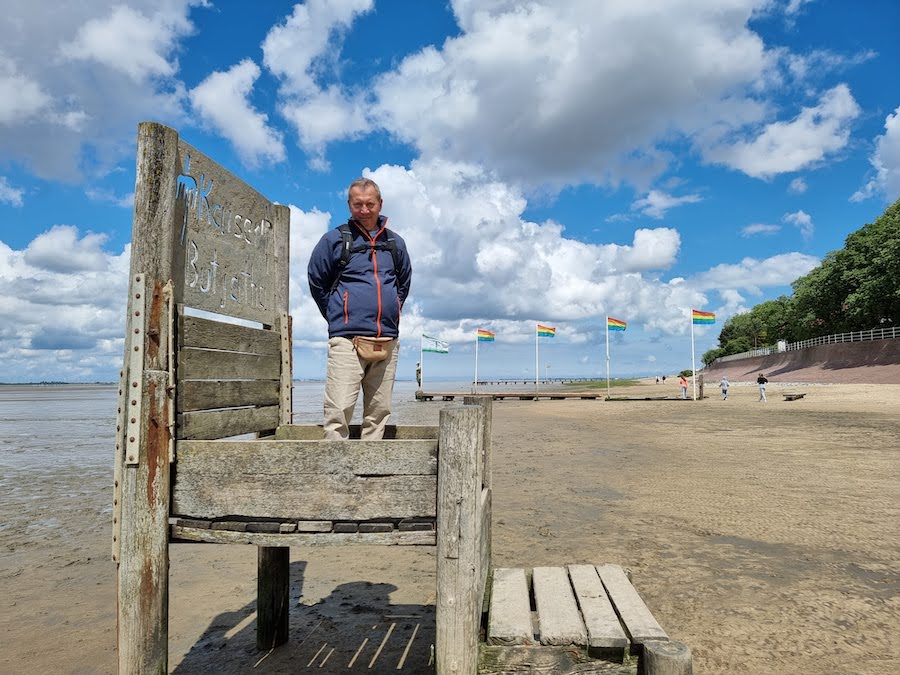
(359,276)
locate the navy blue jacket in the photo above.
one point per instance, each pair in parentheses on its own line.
(370,292)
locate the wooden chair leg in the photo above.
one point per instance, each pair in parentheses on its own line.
(272,596)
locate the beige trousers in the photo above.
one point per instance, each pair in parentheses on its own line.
(345,374)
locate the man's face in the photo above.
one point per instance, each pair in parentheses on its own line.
(365,206)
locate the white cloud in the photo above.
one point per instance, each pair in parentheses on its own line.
(58,320)
(75,81)
(20,97)
(304,51)
(759,228)
(9,194)
(753,274)
(546,92)
(791,146)
(221,100)
(129,41)
(802,221)
(657,203)
(886,162)
(61,250)
(798,186)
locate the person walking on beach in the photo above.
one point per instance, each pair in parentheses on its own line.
(724,385)
(419,374)
(683,383)
(359,276)
(762,381)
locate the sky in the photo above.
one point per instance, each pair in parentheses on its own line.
(551,161)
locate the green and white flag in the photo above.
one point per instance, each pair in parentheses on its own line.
(430,344)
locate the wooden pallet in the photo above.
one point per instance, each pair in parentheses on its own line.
(793,397)
(573,619)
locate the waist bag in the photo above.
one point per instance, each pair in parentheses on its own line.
(372,349)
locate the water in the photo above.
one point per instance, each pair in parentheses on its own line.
(49,428)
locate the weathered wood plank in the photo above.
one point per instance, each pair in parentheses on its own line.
(638,619)
(560,620)
(206,333)
(540,660)
(314,432)
(458,607)
(305,496)
(208,364)
(209,394)
(395,538)
(223,423)
(604,630)
(509,620)
(280,459)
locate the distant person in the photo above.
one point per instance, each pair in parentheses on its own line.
(359,276)
(762,381)
(657,379)
(724,385)
(419,375)
(664,379)
(683,382)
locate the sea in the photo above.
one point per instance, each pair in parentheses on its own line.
(72,426)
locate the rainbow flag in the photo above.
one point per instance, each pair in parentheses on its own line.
(484,335)
(702,317)
(545,331)
(614,324)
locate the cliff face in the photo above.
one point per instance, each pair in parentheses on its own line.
(876,362)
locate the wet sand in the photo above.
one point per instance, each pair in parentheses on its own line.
(764,535)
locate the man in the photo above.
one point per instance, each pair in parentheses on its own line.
(359,276)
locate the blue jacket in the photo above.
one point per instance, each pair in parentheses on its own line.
(370,292)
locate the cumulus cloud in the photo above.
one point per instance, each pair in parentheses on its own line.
(129,41)
(75,81)
(303,51)
(754,274)
(545,92)
(791,146)
(61,250)
(885,162)
(222,101)
(20,97)
(58,320)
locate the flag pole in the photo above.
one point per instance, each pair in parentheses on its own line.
(475,383)
(422,361)
(537,370)
(607,356)
(693,367)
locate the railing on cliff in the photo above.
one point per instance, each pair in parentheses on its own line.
(854,336)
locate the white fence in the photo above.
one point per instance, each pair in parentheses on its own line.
(856,336)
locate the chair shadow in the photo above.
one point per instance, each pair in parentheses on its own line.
(353,629)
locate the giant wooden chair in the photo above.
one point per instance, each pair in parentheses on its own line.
(208,359)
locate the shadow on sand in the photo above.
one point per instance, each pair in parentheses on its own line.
(354,629)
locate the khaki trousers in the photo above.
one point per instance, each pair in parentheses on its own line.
(345,374)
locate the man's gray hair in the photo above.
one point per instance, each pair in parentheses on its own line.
(364,183)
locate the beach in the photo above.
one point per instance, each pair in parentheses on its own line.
(766,536)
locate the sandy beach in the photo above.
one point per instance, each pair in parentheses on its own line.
(764,535)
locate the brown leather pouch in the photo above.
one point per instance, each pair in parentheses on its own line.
(372,349)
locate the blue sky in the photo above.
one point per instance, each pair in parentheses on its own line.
(553,161)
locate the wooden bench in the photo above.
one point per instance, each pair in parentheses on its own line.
(585,619)
(793,397)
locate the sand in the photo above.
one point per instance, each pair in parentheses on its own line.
(764,535)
